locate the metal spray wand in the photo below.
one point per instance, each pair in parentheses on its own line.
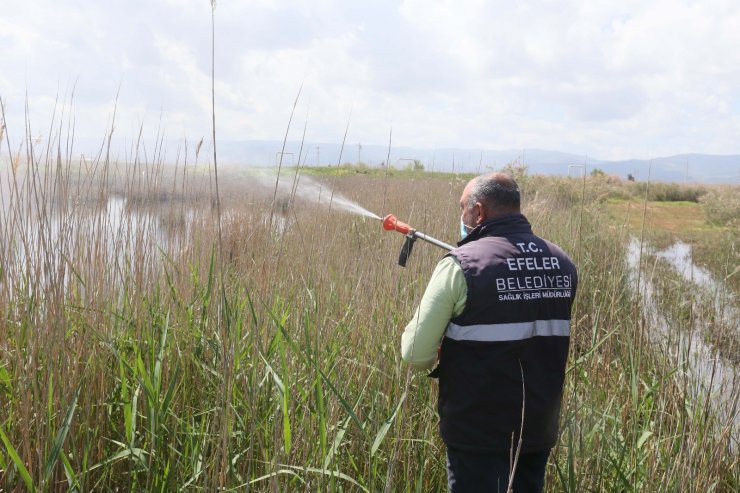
(391,223)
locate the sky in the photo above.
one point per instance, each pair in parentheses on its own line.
(612,80)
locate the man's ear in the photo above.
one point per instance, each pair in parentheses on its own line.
(481,213)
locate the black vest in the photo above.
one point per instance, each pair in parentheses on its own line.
(513,334)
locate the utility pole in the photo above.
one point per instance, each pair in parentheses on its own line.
(317,156)
(686,179)
(359,153)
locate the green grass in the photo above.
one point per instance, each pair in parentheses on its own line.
(673,218)
(353,169)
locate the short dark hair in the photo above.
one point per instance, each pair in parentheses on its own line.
(496,190)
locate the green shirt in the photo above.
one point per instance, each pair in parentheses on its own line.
(443,300)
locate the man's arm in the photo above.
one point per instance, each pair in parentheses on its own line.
(443,299)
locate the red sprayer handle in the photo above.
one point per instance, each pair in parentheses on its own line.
(391,223)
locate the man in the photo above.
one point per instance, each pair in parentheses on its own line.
(500,304)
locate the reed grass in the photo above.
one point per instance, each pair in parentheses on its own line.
(114,339)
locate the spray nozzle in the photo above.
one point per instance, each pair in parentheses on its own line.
(391,223)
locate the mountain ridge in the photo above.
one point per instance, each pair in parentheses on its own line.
(681,168)
(686,167)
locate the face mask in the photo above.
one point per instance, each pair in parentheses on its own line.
(464,230)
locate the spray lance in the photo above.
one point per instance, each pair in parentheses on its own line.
(390,223)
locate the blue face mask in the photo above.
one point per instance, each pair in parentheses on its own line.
(464,230)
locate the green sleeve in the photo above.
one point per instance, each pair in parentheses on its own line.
(443,299)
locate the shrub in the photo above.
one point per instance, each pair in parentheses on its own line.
(722,205)
(667,192)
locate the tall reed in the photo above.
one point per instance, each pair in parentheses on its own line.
(112,371)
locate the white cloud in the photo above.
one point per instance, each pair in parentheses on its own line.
(612,80)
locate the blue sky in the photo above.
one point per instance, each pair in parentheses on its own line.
(612,80)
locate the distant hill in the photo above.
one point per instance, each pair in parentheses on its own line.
(703,168)
(680,168)
(690,168)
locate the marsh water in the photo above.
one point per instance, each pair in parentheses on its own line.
(679,256)
(710,375)
(115,232)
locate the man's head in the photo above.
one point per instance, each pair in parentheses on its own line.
(488,196)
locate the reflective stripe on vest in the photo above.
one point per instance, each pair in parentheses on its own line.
(508,332)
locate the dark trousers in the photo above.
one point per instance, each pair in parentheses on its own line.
(472,472)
